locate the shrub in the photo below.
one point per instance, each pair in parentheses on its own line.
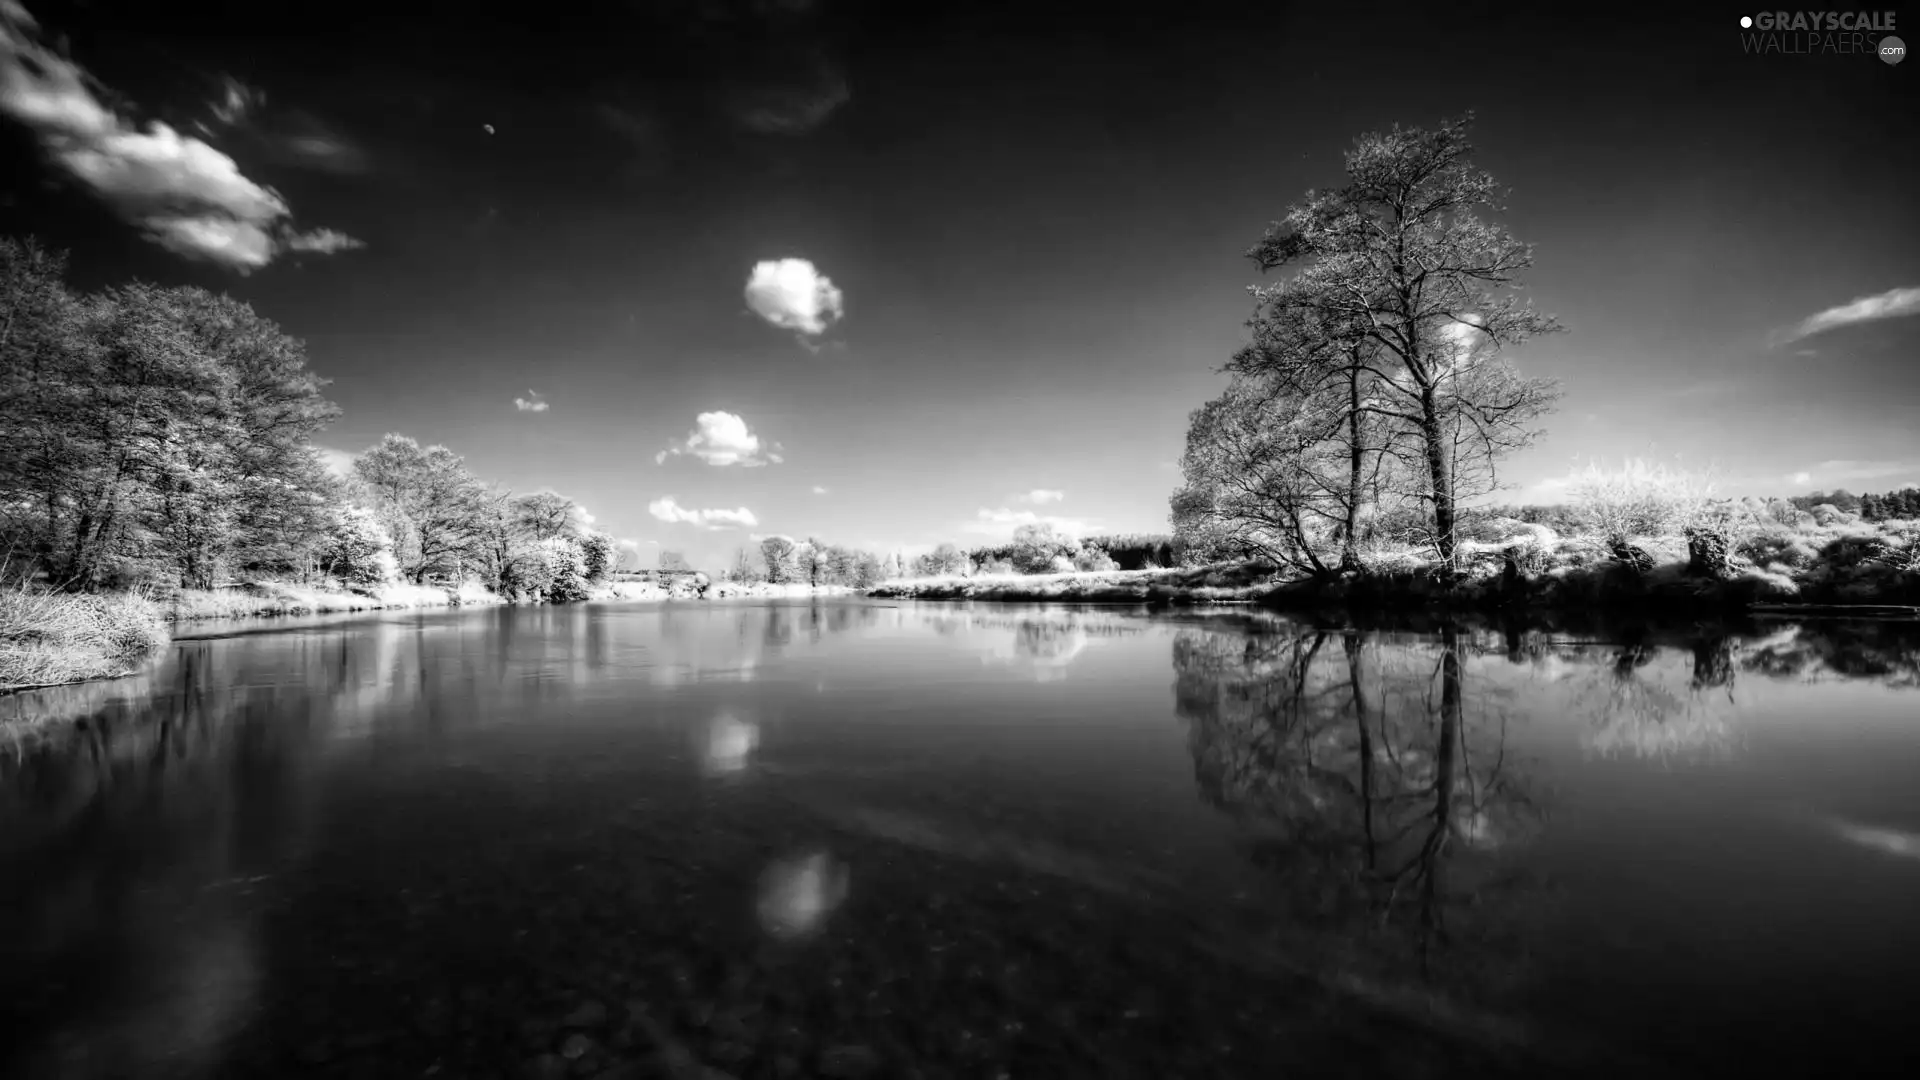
(1095,560)
(1642,499)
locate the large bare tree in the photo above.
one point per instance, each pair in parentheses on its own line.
(1413,294)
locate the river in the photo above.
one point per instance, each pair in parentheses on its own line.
(855,838)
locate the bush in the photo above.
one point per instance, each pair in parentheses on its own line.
(1094,560)
(1642,499)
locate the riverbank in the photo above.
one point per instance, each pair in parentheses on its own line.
(1217,584)
(51,640)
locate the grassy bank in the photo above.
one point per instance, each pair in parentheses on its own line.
(49,639)
(1845,567)
(278,598)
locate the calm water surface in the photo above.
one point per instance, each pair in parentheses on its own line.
(857,839)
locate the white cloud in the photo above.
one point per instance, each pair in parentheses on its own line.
(721,438)
(530,404)
(629,543)
(791,294)
(1041,496)
(337,462)
(1002,522)
(186,195)
(1800,478)
(1891,304)
(670,511)
(237,99)
(818,490)
(322,242)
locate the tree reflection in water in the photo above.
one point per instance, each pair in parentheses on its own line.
(1361,767)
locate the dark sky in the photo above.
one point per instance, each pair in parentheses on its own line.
(1034,215)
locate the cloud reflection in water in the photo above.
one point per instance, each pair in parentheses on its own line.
(729,745)
(797,895)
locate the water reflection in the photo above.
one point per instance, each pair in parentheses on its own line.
(1042,643)
(510,825)
(797,894)
(1361,769)
(729,745)
(139,841)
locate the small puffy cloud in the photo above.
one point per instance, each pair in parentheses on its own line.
(721,438)
(1800,478)
(668,510)
(532,403)
(1002,522)
(187,196)
(1892,304)
(1041,496)
(629,543)
(818,490)
(793,295)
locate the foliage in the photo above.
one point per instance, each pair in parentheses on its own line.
(358,552)
(152,433)
(673,562)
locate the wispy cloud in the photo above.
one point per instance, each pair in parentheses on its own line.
(187,196)
(722,438)
(1041,496)
(793,295)
(1892,304)
(668,510)
(1003,522)
(323,242)
(531,403)
(1843,470)
(818,490)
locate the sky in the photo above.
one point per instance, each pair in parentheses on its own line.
(892,274)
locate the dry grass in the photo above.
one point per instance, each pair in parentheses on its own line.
(48,639)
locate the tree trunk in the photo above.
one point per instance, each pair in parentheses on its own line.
(1356,469)
(1441,475)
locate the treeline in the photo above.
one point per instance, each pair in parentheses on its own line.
(1038,549)
(1818,508)
(162,437)
(782,560)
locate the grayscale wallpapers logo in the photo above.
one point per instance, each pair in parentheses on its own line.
(1823,32)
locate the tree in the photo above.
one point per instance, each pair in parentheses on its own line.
(744,570)
(1255,470)
(599,555)
(1401,256)
(359,553)
(868,570)
(547,515)
(673,562)
(429,503)
(1034,548)
(779,553)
